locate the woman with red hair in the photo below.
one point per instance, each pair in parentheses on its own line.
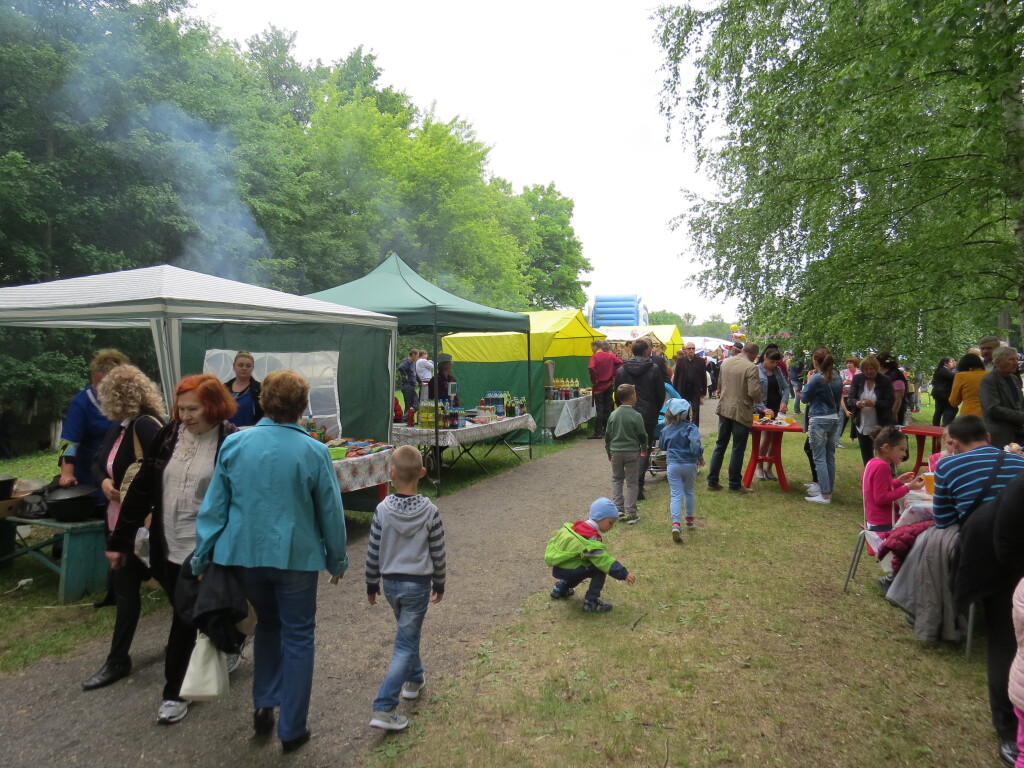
(171,486)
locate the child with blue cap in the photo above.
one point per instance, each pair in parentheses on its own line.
(577,552)
(680,440)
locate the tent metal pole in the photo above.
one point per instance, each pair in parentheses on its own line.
(438,453)
(529,390)
(166,351)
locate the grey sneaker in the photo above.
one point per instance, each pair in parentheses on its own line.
(411,690)
(630,519)
(561,591)
(172,711)
(389,721)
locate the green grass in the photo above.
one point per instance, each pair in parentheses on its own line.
(738,648)
(35,626)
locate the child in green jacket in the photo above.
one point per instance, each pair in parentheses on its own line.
(576,552)
(625,440)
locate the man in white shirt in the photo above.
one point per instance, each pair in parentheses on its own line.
(424,372)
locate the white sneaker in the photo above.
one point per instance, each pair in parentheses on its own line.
(813,489)
(172,712)
(819,499)
(389,721)
(411,690)
(234,660)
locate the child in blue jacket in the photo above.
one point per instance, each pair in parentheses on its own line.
(680,440)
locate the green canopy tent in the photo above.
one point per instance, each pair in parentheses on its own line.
(394,288)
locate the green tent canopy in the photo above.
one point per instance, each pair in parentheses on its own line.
(395,288)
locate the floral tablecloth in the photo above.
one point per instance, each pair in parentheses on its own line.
(454,438)
(563,416)
(363,471)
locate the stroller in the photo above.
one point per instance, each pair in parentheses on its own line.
(659,460)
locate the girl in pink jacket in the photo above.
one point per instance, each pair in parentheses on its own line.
(1016,689)
(878,485)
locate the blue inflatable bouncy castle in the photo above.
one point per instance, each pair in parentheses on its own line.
(618,310)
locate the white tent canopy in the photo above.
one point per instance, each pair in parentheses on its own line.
(162,298)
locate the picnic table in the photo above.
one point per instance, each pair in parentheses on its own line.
(364,472)
(923,432)
(82,567)
(770,435)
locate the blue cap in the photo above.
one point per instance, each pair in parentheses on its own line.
(603,509)
(677,405)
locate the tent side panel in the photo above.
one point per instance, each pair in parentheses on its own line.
(365,388)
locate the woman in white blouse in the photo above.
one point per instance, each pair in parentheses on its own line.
(166,496)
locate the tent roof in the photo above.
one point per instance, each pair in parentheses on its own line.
(667,334)
(396,289)
(554,333)
(134,297)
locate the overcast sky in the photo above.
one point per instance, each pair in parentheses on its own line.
(563,91)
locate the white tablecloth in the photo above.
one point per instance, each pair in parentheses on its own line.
(563,416)
(363,471)
(454,438)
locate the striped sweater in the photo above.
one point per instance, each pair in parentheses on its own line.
(406,543)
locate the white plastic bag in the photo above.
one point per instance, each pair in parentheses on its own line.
(207,676)
(142,545)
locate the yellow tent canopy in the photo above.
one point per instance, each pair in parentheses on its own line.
(668,335)
(553,333)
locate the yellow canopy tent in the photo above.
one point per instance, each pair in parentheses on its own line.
(496,361)
(668,335)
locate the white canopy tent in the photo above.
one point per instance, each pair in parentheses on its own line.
(163,298)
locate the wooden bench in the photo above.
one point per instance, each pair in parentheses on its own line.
(82,567)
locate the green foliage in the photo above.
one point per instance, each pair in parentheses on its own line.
(870,158)
(132,135)
(683,322)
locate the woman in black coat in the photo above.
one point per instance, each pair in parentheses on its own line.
(869,402)
(941,388)
(184,455)
(128,398)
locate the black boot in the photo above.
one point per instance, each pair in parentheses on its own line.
(110,672)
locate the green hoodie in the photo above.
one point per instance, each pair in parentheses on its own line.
(567,549)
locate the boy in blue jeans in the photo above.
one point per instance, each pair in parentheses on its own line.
(576,552)
(406,550)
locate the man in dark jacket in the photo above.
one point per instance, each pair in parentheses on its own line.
(642,373)
(690,378)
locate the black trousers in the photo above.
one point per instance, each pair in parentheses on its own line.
(126,583)
(645,461)
(181,638)
(573,576)
(867,448)
(944,412)
(1002,647)
(694,398)
(810,459)
(603,404)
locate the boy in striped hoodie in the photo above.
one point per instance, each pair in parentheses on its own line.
(406,551)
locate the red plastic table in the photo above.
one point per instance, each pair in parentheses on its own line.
(921,432)
(772,453)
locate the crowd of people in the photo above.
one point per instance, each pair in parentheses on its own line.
(227,500)
(970,549)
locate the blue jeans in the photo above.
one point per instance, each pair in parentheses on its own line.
(409,601)
(681,481)
(822,435)
(573,576)
(739,433)
(285,603)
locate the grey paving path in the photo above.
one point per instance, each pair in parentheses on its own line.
(496,533)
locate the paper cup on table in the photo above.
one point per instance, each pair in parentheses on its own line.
(929,483)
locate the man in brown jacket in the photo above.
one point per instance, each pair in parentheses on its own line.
(740,390)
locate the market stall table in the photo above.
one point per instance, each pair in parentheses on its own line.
(772,452)
(364,472)
(563,416)
(922,432)
(463,438)
(82,567)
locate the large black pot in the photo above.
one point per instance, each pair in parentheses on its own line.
(6,487)
(71,505)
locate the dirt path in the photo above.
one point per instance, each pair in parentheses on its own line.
(496,533)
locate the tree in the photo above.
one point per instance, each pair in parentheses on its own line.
(683,322)
(870,158)
(556,261)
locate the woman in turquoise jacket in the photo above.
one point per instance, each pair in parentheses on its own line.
(273,511)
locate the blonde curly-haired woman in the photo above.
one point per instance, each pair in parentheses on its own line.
(129,399)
